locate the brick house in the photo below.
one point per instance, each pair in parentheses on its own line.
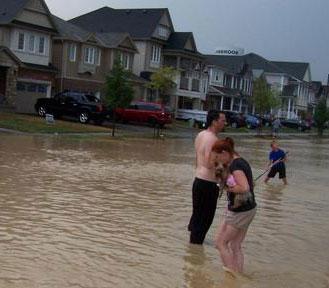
(84,58)
(158,45)
(26,72)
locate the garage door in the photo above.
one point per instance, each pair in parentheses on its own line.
(27,95)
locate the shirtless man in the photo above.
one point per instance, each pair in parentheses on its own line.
(205,190)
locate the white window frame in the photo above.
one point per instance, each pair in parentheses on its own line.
(92,55)
(43,46)
(19,39)
(125,60)
(156,54)
(72,52)
(31,36)
(163,31)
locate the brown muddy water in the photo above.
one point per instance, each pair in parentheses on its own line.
(113,213)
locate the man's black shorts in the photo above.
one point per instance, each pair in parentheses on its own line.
(279,168)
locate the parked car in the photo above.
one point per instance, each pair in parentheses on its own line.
(235,119)
(252,121)
(84,107)
(145,112)
(296,124)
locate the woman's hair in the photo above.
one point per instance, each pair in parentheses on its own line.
(211,116)
(226,144)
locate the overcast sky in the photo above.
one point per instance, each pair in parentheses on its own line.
(282,30)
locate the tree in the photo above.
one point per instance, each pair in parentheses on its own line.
(263,97)
(321,115)
(163,80)
(119,92)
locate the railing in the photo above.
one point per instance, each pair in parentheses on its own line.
(196,85)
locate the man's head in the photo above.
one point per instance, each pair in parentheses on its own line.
(216,120)
(274,145)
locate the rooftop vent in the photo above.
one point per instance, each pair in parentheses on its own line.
(128,11)
(144,11)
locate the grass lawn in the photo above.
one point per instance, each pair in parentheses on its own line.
(35,124)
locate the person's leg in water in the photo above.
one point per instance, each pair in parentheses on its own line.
(225,235)
(237,249)
(282,174)
(271,174)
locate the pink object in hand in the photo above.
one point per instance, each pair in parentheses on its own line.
(230,181)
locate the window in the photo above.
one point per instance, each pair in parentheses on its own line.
(156,54)
(163,31)
(21,41)
(72,52)
(125,60)
(42,88)
(31,43)
(92,55)
(41,45)
(32,87)
(20,86)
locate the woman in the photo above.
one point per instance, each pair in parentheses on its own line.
(241,206)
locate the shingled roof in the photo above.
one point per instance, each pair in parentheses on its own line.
(73,32)
(139,23)
(9,9)
(296,69)
(235,64)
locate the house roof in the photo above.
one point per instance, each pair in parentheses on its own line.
(178,40)
(9,9)
(10,54)
(235,64)
(296,69)
(73,32)
(139,23)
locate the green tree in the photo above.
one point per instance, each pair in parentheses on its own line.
(163,80)
(263,97)
(119,92)
(321,115)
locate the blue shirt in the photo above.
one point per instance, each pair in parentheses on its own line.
(277,155)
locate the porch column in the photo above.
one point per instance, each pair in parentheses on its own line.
(221,102)
(289,106)
(232,100)
(240,106)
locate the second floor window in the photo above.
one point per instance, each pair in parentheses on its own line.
(156,54)
(31,43)
(125,60)
(92,55)
(21,41)
(42,45)
(72,52)
(163,31)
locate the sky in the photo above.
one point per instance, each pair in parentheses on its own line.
(280,30)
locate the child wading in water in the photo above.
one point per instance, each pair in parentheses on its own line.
(277,158)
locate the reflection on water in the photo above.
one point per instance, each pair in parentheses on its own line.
(113,213)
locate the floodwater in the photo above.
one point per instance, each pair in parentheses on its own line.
(113,213)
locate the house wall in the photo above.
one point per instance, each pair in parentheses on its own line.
(277,81)
(140,58)
(5,36)
(35,13)
(25,55)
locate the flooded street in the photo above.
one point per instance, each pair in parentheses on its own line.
(113,213)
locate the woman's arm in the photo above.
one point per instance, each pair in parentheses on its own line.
(242,185)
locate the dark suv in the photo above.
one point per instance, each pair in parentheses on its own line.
(82,106)
(145,112)
(235,119)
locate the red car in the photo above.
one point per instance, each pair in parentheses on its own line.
(145,112)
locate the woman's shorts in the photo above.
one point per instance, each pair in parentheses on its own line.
(240,220)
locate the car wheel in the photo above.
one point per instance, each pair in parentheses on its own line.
(234,125)
(42,111)
(84,117)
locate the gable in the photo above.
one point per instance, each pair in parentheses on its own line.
(307,76)
(36,13)
(7,58)
(127,43)
(190,45)
(166,21)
